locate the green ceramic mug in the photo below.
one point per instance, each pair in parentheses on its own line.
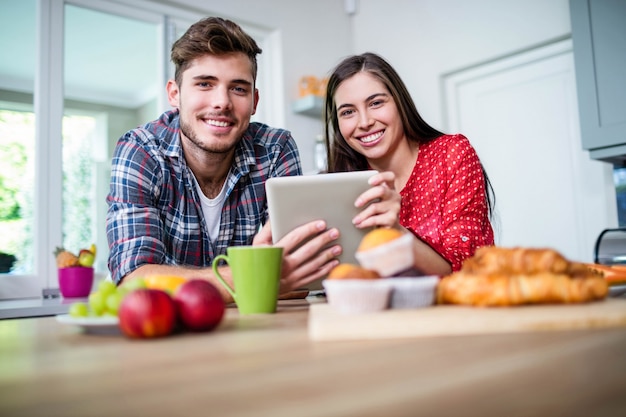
(256,277)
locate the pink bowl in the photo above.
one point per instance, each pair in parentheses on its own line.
(75,281)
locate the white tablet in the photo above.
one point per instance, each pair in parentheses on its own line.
(294,201)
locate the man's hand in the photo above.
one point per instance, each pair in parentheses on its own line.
(307,254)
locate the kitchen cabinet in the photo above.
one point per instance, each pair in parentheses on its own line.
(599,39)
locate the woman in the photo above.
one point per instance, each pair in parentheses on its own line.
(431,183)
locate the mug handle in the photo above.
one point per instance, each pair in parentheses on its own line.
(219,277)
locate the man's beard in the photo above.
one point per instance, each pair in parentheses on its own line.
(191,135)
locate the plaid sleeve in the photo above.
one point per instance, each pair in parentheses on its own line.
(134,232)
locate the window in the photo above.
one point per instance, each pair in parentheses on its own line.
(109,89)
(18,25)
(17,139)
(17,193)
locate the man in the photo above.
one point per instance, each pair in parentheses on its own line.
(188,185)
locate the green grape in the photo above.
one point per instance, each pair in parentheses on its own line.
(97,303)
(107,287)
(113,302)
(79,310)
(132,284)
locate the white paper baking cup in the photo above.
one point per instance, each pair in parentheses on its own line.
(413,292)
(351,296)
(389,258)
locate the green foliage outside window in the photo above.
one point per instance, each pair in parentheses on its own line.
(17,136)
(17,186)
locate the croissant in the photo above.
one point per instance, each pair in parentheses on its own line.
(490,259)
(507,290)
(497,276)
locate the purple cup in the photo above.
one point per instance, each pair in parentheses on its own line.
(75,281)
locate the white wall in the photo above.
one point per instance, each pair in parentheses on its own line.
(424,39)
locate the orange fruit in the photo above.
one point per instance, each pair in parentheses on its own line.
(351,271)
(378,237)
(169,283)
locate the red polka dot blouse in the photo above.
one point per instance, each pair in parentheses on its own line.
(443,202)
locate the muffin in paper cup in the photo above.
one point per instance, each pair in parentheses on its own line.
(389,258)
(352,296)
(413,292)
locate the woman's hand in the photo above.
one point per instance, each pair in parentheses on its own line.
(308,254)
(381,202)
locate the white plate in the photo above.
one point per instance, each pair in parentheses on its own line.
(99,325)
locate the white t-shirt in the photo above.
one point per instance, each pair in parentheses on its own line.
(212,209)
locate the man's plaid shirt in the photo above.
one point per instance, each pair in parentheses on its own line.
(154,212)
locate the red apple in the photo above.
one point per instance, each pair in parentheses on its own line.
(147,313)
(199,305)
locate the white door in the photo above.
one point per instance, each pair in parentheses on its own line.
(521,115)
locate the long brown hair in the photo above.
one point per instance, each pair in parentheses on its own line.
(340,156)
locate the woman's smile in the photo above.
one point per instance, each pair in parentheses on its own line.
(371,138)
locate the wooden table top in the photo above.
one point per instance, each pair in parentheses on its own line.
(266,365)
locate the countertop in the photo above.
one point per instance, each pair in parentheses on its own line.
(266,365)
(36,307)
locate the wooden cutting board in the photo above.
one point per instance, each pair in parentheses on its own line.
(325,323)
